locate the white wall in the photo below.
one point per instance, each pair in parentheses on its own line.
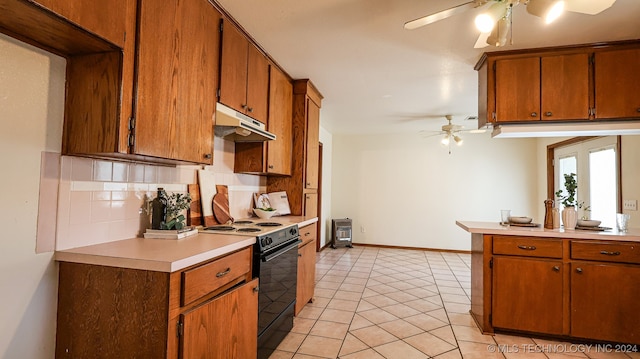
(404,190)
(31,115)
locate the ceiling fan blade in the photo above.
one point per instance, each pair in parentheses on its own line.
(589,7)
(429,19)
(482,40)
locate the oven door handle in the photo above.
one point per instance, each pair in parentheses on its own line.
(269,257)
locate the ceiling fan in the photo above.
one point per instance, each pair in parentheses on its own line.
(451,133)
(494,23)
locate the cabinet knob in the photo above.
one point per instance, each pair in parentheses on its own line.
(308,183)
(244,106)
(256,289)
(250,109)
(638,109)
(548,114)
(299,254)
(556,268)
(534,114)
(579,270)
(207,156)
(271,166)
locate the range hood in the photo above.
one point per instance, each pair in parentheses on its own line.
(235,126)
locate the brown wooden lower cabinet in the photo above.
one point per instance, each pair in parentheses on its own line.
(209,310)
(223,328)
(563,287)
(527,294)
(306,267)
(605,301)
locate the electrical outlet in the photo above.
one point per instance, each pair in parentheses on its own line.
(362,229)
(630,204)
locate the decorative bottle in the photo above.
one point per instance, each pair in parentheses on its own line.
(556,217)
(158,210)
(548,214)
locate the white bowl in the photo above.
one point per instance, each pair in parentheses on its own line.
(520,220)
(264,214)
(588,223)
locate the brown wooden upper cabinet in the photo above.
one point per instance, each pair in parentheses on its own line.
(550,88)
(107,19)
(617,84)
(244,74)
(271,157)
(170,117)
(576,83)
(177,80)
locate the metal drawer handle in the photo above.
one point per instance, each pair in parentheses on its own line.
(534,114)
(256,289)
(222,274)
(527,248)
(610,253)
(548,113)
(579,270)
(556,268)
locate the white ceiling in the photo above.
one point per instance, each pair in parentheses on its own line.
(377,77)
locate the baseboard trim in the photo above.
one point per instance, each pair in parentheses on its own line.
(328,245)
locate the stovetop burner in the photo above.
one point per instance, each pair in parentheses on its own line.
(243,222)
(219,228)
(268,224)
(249,230)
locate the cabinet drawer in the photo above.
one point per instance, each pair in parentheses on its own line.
(308,233)
(606,252)
(527,246)
(206,278)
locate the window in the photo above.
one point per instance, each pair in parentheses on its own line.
(595,163)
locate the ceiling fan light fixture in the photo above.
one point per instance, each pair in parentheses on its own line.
(498,36)
(458,140)
(549,10)
(487,20)
(445,140)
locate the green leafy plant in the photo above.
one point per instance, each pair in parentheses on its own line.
(587,209)
(571,186)
(176,204)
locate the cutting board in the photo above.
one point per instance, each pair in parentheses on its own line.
(221,205)
(194,214)
(206,180)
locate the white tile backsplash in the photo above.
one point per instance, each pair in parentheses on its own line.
(101,201)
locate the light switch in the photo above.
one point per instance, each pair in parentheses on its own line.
(630,204)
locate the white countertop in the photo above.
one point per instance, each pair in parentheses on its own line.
(632,235)
(167,255)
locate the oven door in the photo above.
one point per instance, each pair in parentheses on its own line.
(278,272)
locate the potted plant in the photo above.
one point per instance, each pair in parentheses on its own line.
(174,206)
(569,201)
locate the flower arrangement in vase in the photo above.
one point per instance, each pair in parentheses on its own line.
(569,201)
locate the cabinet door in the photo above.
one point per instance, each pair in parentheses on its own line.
(177,79)
(106,19)
(527,294)
(517,89)
(313,145)
(617,84)
(279,152)
(233,69)
(226,327)
(604,301)
(306,273)
(310,205)
(565,87)
(257,84)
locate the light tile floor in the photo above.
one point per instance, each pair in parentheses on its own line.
(398,303)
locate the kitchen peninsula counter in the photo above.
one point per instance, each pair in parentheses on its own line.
(167,255)
(495,228)
(569,284)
